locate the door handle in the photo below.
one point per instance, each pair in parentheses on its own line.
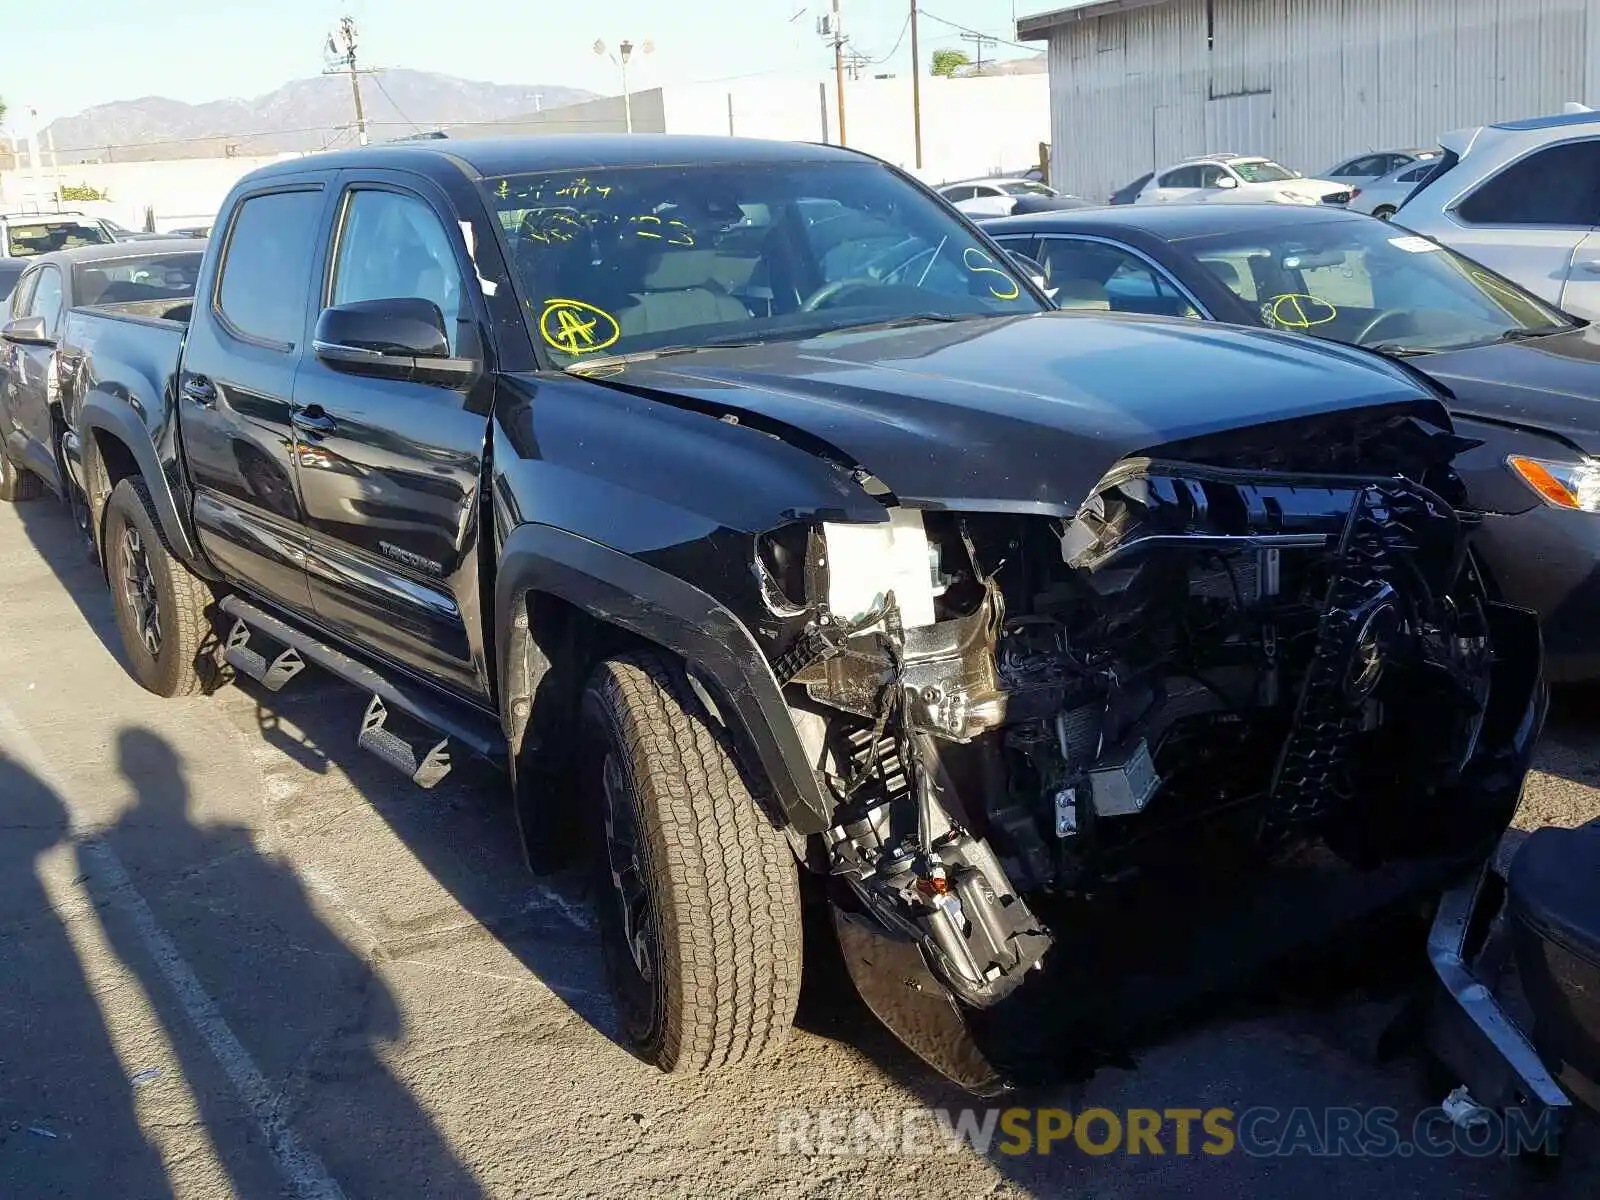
(200,390)
(314,421)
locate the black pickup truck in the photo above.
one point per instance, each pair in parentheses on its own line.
(746,503)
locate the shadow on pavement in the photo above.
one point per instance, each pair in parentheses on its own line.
(49,527)
(308,1013)
(67,1121)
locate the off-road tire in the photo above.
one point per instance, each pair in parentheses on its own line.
(17,483)
(183,664)
(718,879)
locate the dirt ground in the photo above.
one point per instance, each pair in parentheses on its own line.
(239,957)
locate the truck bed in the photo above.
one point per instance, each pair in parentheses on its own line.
(129,351)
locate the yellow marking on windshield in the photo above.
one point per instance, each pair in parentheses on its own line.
(1297,310)
(576,327)
(976,267)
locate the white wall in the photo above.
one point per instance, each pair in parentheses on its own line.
(969,126)
(181,191)
(1307,81)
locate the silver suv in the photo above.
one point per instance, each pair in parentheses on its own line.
(1522,197)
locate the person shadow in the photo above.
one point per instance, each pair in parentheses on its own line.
(285,1055)
(67,1119)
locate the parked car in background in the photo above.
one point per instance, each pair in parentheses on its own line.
(1129,192)
(1381,198)
(143,278)
(1375,165)
(1522,197)
(1235,179)
(23,235)
(1524,378)
(1004,197)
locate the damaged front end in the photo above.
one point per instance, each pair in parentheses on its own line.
(1035,729)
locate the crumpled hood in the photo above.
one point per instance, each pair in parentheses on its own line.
(1548,383)
(1025,413)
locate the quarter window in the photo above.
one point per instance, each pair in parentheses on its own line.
(262,293)
(1555,186)
(393,245)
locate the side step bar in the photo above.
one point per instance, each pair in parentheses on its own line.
(476,732)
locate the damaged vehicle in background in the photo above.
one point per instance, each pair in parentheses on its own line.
(745,494)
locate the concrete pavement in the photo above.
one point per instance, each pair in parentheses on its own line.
(239,957)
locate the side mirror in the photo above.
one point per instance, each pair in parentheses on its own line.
(1030,267)
(27,331)
(1226,181)
(401,337)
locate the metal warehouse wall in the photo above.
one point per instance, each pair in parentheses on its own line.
(1308,82)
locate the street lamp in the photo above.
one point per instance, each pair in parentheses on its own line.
(621,57)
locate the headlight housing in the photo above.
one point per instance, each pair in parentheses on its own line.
(1574,485)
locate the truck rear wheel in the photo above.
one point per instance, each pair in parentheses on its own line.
(159,603)
(698,901)
(17,483)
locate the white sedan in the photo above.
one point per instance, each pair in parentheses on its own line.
(1238,179)
(1005,197)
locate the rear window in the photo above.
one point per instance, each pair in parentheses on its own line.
(153,277)
(24,239)
(1026,188)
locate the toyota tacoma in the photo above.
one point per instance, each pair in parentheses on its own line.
(759,514)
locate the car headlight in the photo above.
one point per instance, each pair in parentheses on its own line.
(1561,484)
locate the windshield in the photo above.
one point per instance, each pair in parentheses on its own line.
(641,258)
(1262,172)
(1370,284)
(24,239)
(1026,187)
(153,277)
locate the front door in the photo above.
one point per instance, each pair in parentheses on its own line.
(236,389)
(389,469)
(30,379)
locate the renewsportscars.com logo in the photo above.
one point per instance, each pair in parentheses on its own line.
(1259,1132)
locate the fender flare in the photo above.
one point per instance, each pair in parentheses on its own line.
(621,590)
(123,424)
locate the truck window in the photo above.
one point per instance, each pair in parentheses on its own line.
(46,300)
(266,263)
(394,245)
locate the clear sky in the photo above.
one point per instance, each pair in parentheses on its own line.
(62,59)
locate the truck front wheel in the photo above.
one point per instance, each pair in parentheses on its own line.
(698,902)
(159,603)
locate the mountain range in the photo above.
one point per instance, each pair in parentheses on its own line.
(305,114)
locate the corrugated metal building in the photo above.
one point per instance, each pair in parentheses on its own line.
(1138,84)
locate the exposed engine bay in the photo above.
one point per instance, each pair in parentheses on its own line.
(1016,712)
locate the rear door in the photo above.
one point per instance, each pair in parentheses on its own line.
(236,388)
(30,377)
(1533,222)
(389,469)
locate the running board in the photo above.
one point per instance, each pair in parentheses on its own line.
(272,676)
(474,731)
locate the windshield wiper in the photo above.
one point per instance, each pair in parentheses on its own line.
(1522,335)
(745,341)
(1396,350)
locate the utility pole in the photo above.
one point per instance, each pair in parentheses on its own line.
(346,61)
(916,88)
(979,41)
(833,30)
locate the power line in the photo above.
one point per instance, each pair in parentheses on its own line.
(378,79)
(989,36)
